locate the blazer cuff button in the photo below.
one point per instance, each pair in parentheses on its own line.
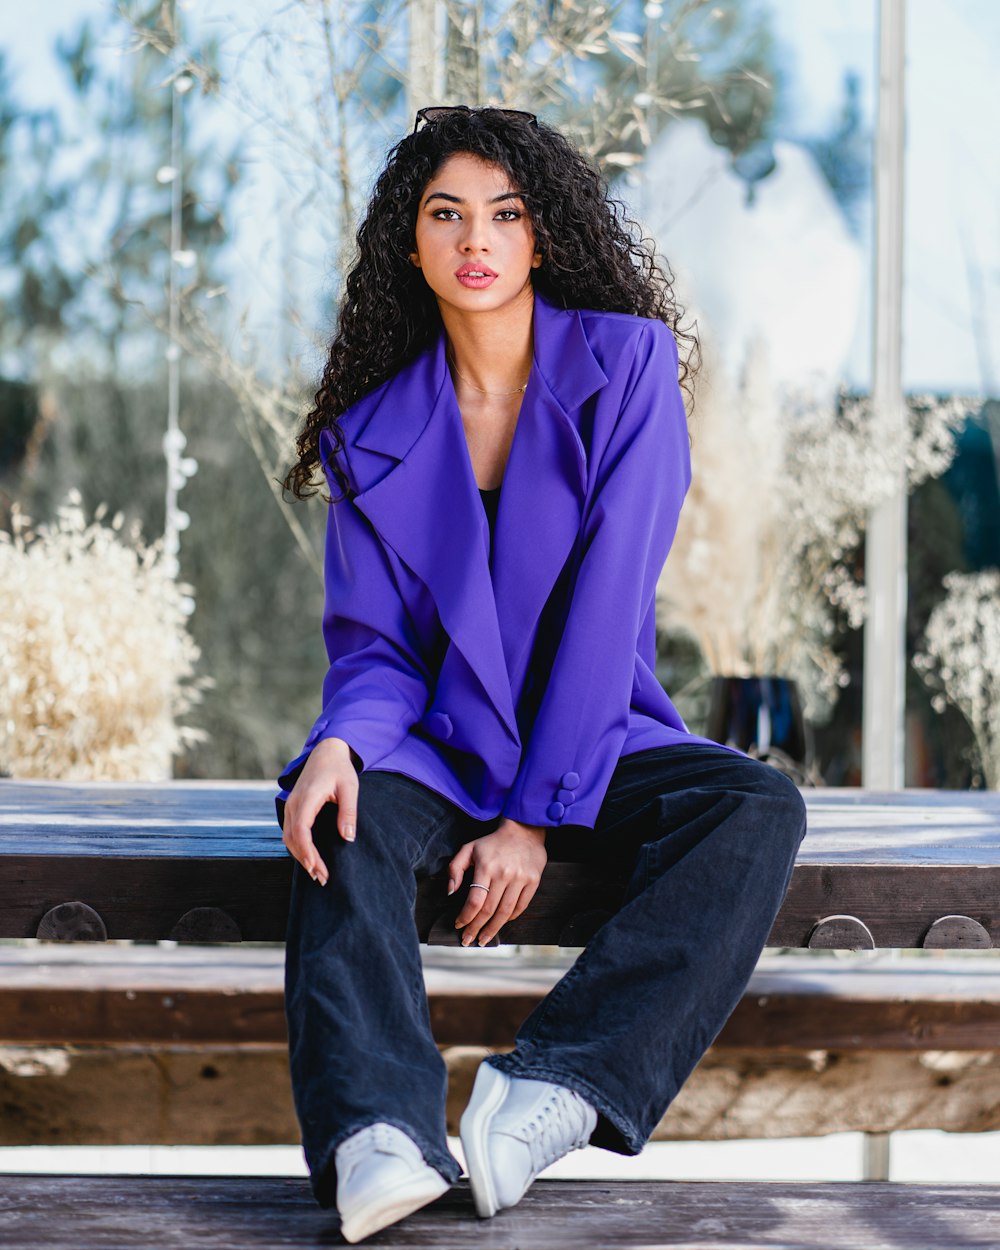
(554,811)
(570,780)
(439,723)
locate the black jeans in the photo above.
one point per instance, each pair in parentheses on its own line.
(709,839)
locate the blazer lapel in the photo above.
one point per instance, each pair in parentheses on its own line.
(545,481)
(425,502)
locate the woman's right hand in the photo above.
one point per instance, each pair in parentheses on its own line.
(328,776)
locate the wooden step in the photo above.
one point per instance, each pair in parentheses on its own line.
(114,1044)
(47,1212)
(120,994)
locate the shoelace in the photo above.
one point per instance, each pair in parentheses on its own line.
(375,1135)
(557,1127)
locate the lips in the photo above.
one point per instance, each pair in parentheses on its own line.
(469,269)
(476,276)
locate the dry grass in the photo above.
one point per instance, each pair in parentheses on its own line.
(96,662)
(784,479)
(961,660)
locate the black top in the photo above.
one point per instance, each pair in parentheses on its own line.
(490,500)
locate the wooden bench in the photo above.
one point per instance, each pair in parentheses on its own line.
(203,862)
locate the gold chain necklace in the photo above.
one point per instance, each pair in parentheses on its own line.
(520,390)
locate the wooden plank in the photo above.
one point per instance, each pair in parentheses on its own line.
(237,819)
(143,898)
(144,856)
(915,1004)
(898,904)
(176,819)
(145,1095)
(225,1095)
(121,995)
(232,1213)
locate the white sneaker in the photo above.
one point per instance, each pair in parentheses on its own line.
(514,1127)
(381,1177)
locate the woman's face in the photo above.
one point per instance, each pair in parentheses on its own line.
(471,216)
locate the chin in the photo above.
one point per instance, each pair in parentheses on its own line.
(488,298)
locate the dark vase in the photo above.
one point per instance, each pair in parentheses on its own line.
(760,715)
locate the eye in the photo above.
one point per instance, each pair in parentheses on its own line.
(513,211)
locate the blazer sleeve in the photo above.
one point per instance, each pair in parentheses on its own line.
(582,720)
(376,687)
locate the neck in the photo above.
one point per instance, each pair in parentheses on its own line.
(493,349)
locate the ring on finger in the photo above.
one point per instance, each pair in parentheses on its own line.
(477,886)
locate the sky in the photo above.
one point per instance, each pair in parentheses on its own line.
(786,266)
(952,211)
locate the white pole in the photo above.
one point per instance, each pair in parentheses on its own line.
(179,467)
(884,725)
(173,443)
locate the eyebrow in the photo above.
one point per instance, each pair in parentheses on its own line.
(457,199)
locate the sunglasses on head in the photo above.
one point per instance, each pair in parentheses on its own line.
(436,112)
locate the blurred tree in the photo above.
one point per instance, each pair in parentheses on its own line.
(123,185)
(610,76)
(89,240)
(845,154)
(37,284)
(85,230)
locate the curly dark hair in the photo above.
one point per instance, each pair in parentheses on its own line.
(593,256)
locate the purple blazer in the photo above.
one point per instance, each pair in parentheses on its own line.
(515,689)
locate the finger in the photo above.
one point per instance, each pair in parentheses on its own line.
(524,898)
(315,866)
(471,931)
(459,866)
(301,810)
(309,857)
(300,817)
(481,904)
(478,902)
(347,807)
(499,918)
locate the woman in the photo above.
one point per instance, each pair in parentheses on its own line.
(502,415)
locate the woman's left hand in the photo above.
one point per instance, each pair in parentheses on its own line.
(510,861)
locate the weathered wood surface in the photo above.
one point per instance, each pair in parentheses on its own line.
(112,1044)
(222,1096)
(117,994)
(144,856)
(237,1213)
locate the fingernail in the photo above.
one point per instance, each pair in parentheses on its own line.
(451,888)
(466,941)
(348,833)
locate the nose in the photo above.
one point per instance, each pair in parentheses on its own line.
(476,237)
